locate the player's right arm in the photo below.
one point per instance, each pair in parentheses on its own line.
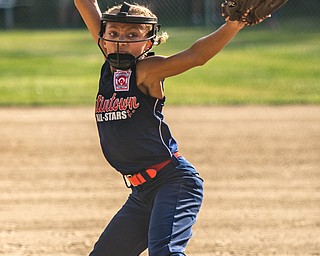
(91,14)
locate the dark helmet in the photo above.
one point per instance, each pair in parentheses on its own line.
(124,60)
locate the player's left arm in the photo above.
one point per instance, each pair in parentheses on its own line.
(158,68)
(152,70)
(237,13)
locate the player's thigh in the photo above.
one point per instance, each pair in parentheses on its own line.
(176,206)
(126,234)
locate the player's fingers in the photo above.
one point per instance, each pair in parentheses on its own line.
(223,10)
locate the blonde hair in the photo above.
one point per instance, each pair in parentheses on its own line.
(140,10)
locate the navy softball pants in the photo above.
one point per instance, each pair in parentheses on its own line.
(158,215)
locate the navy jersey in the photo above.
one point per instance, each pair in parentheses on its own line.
(133,134)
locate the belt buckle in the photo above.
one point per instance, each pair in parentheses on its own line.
(127,181)
(135,179)
(139,179)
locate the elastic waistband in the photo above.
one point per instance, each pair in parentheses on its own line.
(148,174)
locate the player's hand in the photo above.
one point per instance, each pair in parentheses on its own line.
(235,24)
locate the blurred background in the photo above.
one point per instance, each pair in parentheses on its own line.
(38,14)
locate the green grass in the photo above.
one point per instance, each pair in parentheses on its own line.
(259,66)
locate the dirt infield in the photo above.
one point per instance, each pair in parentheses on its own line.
(261,167)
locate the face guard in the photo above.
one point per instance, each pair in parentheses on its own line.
(125,60)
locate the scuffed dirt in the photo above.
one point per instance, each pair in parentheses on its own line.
(261,167)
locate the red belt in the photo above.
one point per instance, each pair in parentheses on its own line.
(151,172)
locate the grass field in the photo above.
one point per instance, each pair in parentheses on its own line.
(260,66)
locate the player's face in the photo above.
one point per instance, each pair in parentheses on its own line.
(125,37)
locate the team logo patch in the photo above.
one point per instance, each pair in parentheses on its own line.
(121,80)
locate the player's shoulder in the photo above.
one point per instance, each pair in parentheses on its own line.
(147,70)
(153,58)
(150,62)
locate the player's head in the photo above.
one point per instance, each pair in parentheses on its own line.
(128,33)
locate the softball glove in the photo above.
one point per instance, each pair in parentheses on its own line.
(250,12)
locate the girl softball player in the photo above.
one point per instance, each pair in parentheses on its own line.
(166,190)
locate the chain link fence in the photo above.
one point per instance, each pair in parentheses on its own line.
(40,14)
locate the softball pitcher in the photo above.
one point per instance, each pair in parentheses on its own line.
(166,190)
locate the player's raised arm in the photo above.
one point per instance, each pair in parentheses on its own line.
(198,54)
(91,14)
(237,14)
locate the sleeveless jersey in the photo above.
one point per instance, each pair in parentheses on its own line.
(132,131)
